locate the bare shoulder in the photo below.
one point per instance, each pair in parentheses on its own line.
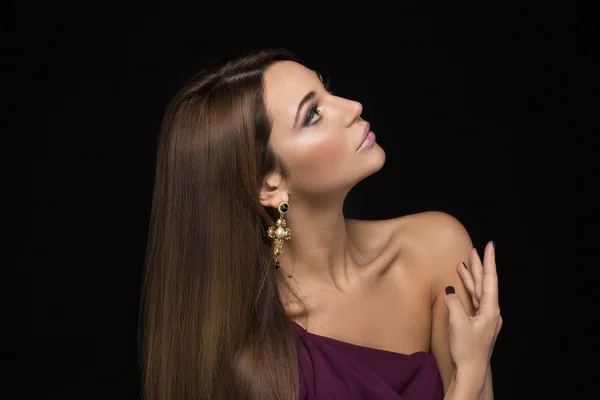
(432,241)
(425,233)
(433,228)
(437,242)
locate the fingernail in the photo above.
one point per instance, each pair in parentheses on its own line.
(494,244)
(449,289)
(464,265)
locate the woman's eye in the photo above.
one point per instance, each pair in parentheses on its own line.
(313,116)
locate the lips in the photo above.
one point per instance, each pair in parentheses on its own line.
(364,135)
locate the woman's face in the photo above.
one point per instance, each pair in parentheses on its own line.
(315,133)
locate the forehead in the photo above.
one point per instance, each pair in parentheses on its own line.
(286,83)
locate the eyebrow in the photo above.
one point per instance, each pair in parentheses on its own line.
(310,95)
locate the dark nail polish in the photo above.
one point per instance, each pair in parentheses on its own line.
(449,289)
(494,245)
(464,265)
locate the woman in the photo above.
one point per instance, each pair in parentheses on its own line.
(235,307)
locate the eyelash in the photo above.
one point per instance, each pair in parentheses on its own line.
(314,109)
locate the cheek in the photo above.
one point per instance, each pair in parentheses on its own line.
(320,158)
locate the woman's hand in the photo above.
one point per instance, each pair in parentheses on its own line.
(472,337)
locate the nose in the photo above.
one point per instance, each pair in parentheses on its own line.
(356,109)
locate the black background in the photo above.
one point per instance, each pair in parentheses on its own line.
(469,103)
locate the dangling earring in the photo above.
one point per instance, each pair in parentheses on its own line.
(280,232)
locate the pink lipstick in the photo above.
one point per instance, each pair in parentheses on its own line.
(368,138)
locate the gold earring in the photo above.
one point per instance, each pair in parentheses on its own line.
(280,232)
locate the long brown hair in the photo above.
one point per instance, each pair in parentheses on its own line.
(213,322)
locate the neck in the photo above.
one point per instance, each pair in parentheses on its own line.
(320,248)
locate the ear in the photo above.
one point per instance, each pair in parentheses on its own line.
(272,191)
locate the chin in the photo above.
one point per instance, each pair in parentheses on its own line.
(374,162)
(378,157)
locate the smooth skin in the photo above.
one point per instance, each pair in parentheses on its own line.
(472,336)
(378,284)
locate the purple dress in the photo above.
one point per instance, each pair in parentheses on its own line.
(332,369)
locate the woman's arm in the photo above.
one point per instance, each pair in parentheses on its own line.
(474,383)
(488,387)
(466,385)
(451,244)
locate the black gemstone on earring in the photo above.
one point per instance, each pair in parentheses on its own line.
(277,265)
(283,208)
